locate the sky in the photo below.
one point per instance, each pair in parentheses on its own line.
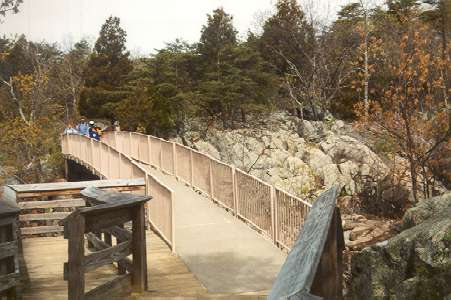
(149,23)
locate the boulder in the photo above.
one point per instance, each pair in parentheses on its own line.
(414,264)
(426,209)
(343,148)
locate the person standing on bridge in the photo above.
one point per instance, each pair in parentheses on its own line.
(83,127)
(93,131)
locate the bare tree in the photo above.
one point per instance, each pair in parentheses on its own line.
(9,6)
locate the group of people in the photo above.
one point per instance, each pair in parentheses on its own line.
(85,128)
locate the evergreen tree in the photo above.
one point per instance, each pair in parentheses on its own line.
(287,36)
(106,71)
(217,36)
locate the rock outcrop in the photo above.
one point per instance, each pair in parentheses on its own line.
(302,157)
(415,264)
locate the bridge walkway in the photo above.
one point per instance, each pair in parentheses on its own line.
(225,254)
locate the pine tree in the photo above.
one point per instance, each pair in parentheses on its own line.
(287,36)
(107,68)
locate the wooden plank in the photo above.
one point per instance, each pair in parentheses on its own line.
(8,281)
(8,249)
(100,245)
(297,274)
(76,274)
(139,274)
(120,287)
(107,256)
(76,202)
(44,216)
(120,233)
(79,185)
(41,229)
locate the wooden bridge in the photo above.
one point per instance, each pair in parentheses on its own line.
(216,231)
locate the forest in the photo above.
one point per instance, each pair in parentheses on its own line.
(385,69)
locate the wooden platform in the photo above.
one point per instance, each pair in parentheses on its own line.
(168,276)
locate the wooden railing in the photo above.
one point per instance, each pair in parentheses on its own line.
(273,212)
(42,205)
(313,268)
(107,215)
(9,250)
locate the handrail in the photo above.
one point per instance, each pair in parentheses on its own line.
(313,269)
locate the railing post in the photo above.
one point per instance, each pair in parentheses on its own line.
(161,155)
(234,191)
(273,214)
(129,144)
(76,272)
(149,150)
(237,196)
(120,165)
(174,160)
(91,147)
(210,172)
(191,167)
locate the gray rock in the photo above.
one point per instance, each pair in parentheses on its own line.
(426,209)
(415,264)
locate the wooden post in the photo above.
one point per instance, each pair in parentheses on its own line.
(149,150)
(161,155)
(130,145)
(210,173)
(174,160)
(139,273)
(191,167)
(76,272)
(120,266)
(273,214)
(233,191)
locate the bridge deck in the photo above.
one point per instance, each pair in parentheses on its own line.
(225,254)
(44,259)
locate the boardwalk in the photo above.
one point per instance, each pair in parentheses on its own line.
(224,253)
(44,258)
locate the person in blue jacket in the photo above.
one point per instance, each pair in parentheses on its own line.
(93,133)
(83,127)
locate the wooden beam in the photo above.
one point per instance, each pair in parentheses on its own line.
(75,202)
(79,185)
(118,232)
(100,245)
(107,256)
(44,216)
(97,220)
(8,281)
(41,229)
(8,249)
